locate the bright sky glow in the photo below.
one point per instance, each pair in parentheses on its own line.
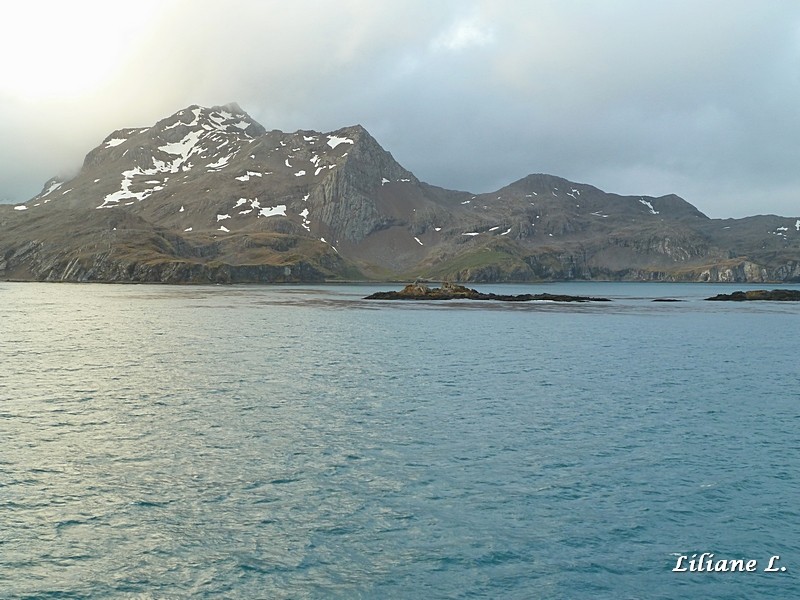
(59,48)
(463,34)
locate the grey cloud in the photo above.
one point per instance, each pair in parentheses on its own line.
(693,98)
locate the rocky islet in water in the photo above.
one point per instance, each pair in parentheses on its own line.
(752,295)
(452,291)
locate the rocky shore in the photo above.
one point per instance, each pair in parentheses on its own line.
(452,291)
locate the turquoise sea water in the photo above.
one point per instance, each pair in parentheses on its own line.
(299,442)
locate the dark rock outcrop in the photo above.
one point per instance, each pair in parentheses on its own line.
(452,291)
(770,295)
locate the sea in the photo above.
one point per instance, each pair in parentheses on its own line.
(299,441)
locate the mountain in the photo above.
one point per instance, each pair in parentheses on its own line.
(209,195)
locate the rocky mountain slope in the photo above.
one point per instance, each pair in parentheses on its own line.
(209,195)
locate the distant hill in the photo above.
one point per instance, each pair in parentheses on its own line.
(209,195)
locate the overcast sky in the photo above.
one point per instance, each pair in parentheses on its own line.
(700,98)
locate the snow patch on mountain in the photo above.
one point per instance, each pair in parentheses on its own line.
(182,149)
(125,192)
(219,163)
(334,140)
(306,222)
(193,123)
(273,211)
(324,241)
(648,205)
(248,175)
(53,187)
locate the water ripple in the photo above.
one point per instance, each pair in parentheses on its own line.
(299,442)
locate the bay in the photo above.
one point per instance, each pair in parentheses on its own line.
(300,442)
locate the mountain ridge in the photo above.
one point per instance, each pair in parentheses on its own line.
(210,195)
